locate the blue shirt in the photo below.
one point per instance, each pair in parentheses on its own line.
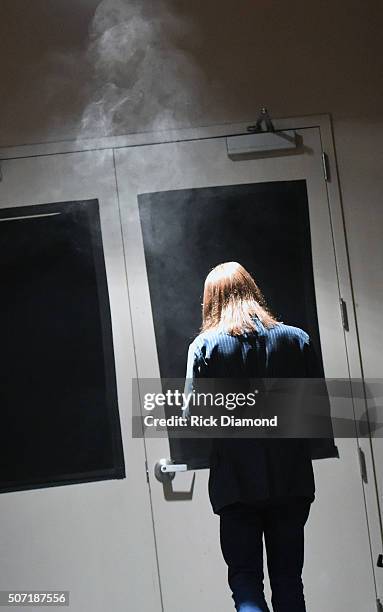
(257,470)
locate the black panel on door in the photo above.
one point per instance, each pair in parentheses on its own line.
(265,227)
(59,413)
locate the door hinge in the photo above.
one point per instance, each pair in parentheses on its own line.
(379,605)
(343,311)
(363,465)
(326,167)
(147,471)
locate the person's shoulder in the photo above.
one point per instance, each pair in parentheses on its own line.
(208,339)
(291,333)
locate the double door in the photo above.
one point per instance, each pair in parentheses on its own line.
(169,212)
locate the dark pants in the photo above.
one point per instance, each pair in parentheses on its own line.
(241,529)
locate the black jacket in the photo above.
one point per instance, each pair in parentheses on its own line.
(258,470)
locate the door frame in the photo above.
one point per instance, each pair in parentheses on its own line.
(341,252)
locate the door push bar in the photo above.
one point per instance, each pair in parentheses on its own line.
(165,469)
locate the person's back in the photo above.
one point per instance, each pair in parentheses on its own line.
(256,469)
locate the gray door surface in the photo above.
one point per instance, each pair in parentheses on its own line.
(183,205)
(93,539)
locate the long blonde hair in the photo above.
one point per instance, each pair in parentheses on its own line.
(231,298)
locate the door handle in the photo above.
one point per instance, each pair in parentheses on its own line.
(165,469)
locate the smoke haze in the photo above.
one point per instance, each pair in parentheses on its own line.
(139,68)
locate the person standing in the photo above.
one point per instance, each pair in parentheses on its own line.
(260,487)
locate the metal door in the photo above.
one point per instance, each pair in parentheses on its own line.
(95,540)
(163,188)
